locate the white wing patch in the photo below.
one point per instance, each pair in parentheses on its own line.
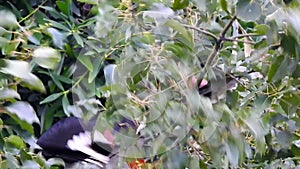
(82,143)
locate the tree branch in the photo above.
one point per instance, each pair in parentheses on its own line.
(218,44)
(201,31)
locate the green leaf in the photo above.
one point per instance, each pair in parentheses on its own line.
(34,83)
(54,13)
(51,98)
(274,67)
(46,57)
(261,29)
(181,29)
(16,141)
(56,81)
(58,25)
(86,61)
(24,111)
(16,68)
(66,104)
(248,10)
(8,19)
(282,66)
(78,39)
(64,7)
(180,4)
(223,4)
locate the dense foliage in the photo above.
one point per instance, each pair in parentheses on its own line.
(51,66)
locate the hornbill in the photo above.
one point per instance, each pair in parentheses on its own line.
(73,140)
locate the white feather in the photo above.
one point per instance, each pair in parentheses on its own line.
(82,143)
(93,162)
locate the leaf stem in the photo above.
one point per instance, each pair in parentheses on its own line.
(32,12)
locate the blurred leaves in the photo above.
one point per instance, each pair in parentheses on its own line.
(145,60)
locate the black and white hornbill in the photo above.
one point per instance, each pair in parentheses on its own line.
(73,140)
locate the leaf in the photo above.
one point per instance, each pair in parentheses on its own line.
(248,10)
(261,29)
(57,37)
(3,31)
(16,141)
(180,4)
(11,161)
(54,13)
(86,61)
(64,7)
(30,164)
(223,4)
(21,70)
(109,73)
(159,11)
(58,25)
(274,67)
(282,66)
(6,93)
(78,39)
(66,104)
(284,138)
(232,153)
(181,29)
(51,98)
(8,19)
(56,81)
(34,83)
(24,111)
(46,57)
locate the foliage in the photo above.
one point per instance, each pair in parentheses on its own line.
(51,66)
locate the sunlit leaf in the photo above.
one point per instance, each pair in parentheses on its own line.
(109,73)
(8,19)
(46,57)
(180,4)
(30,164)
(15,141)
(24,111)
(51,98)
(57,37)
(158,12)
(7,93)
(223,4)
(11,162)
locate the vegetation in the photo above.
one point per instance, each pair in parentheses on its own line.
(51,66)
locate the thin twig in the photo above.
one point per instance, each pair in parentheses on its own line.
(33,12)
(245,35)
(201,31)
(237,40)
(218,44)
